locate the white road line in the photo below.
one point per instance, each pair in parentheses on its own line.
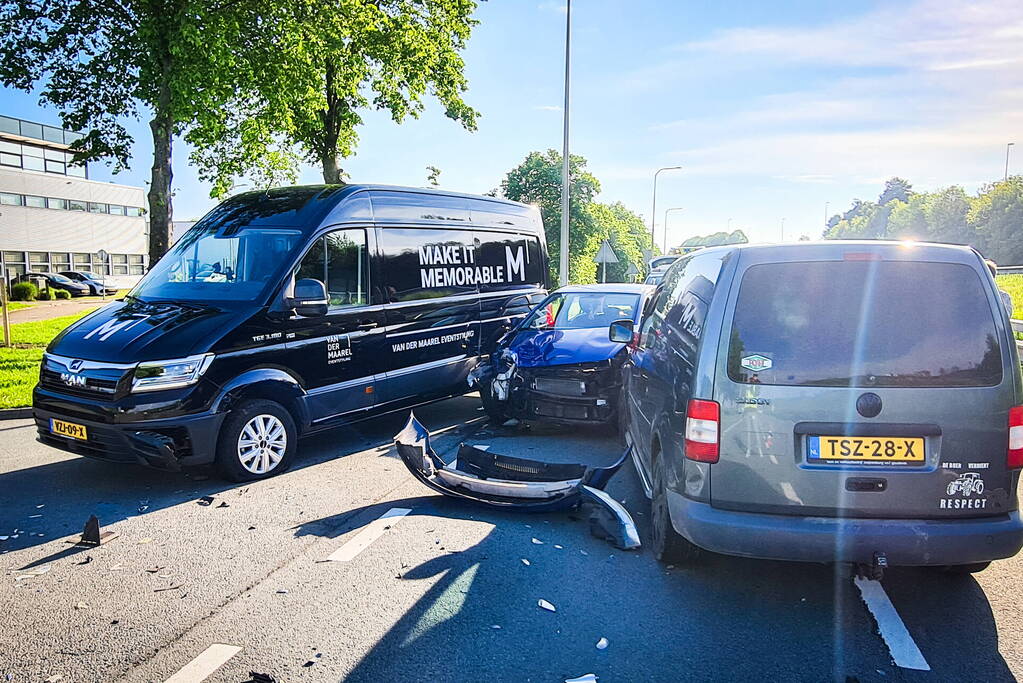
(211,659)
(372,532)
(895,634)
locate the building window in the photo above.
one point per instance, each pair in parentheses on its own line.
(97,208)
(10,199)
(56,167)
(37,202)
(117,209)
(54,203)
(132,211)
(60,261)
(135,270)
(76,171)
(32,163)
(10,159)
(51,134)
(9,125)
(82,261)
(31,130)
(75,205)
(136,258)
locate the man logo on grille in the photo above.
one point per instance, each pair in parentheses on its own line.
(75,365)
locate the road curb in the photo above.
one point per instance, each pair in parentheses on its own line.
(15,413)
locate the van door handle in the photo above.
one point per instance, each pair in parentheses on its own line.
(367,325)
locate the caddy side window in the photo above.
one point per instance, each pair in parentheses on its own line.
(339,261)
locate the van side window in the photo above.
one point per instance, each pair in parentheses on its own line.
(339,261)
(429,263)
(650,329)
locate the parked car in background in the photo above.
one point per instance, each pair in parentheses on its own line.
(94,281)
(57,281)
(558,363)
(655,276)
(288,311)
(840,401)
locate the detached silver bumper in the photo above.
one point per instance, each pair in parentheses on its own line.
(503,481)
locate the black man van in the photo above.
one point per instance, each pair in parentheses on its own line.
(289,311)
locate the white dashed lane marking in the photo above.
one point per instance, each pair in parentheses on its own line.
(211,659)
(895,634)
(372,532)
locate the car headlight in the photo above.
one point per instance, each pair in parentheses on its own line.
(170,374)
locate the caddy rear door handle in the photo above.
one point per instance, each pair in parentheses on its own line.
(367,324)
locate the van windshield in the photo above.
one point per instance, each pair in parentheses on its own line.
(864,323)
(213,264)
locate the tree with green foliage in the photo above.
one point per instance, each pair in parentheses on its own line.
(320,66)
(537,180)
(627,234)
(176,62)
(895,188)
(991,221)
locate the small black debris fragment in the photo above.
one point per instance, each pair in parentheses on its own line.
(87,560)
(309,663)
(205,501)
(252,528)
(256,677)
(115,622)
(223,504)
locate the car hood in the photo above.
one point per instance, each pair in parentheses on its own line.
(540,348)
(129,331)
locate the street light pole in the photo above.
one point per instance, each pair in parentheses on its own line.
(782,229)
(565,185)
(653,211)
(666,212)
(1007,160)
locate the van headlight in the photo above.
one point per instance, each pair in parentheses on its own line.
(170,374)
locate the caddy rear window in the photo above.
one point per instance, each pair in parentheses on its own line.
(864,323)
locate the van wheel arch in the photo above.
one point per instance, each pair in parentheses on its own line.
(276,386)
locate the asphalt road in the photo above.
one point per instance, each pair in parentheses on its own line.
(442,594)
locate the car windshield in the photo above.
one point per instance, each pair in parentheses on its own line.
(864,323)
(88,274)
(582,310)
(214,264)
(59,278)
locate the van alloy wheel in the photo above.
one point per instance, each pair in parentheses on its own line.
(262,443)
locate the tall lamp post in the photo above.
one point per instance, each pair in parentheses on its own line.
(1007,147)
(653,212)
(782,229)
(565,187)
(666,212)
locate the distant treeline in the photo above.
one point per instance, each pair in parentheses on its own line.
(717,239)
(991,221)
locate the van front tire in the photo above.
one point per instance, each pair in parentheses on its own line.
(258,440)
(668,545)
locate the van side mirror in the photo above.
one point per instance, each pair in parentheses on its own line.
(310,300)
(519,305)
(620,331)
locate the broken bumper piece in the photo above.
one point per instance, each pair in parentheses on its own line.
(503,481)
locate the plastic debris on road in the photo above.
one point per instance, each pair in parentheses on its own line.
(205,501)
(537,541)
(602,644)
(585,678)
(32,573)
(543,604)
(525,561)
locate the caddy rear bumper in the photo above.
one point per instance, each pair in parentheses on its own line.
(905,542)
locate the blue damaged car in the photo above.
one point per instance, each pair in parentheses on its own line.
(558,364)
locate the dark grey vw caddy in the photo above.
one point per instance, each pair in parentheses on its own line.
(841,401)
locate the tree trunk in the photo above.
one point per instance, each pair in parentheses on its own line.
(329,119)
(160,210)
(331,171)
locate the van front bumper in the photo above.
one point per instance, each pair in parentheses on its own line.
(168,444)
(905,542)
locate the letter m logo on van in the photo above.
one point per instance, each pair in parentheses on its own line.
(113,326)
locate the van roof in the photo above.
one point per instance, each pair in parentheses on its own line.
(309,207)
(829,249)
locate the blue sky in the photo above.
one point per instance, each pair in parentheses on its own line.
(773,109)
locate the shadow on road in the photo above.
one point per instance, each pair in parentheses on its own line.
(44,502)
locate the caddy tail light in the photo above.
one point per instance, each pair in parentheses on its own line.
(1015,458)
(703,422)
